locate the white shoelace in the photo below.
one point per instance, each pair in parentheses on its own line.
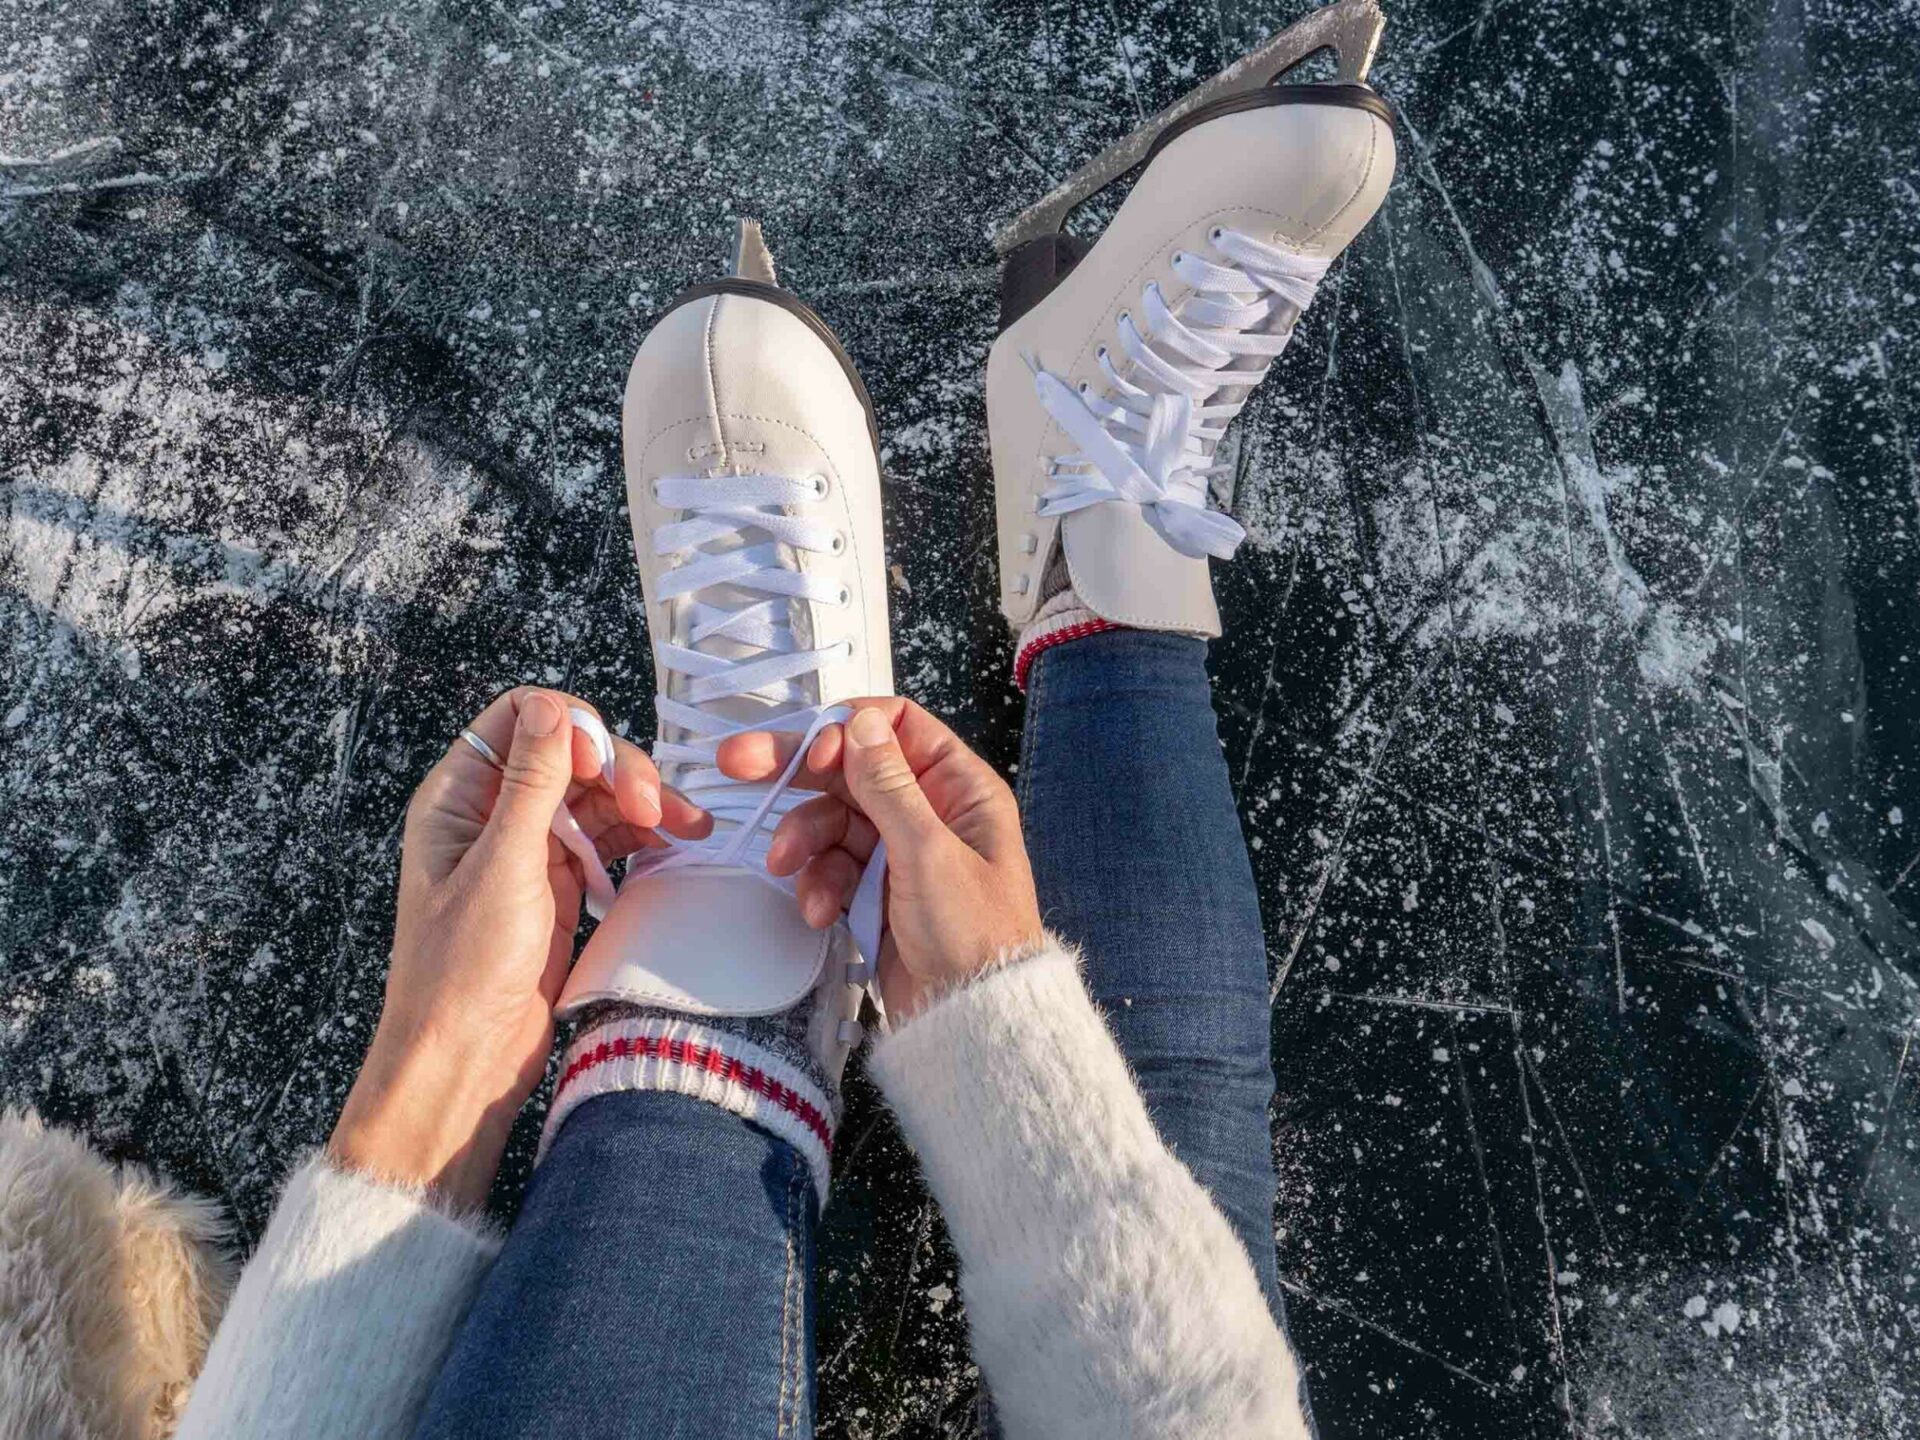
(1149,440)
(727,507)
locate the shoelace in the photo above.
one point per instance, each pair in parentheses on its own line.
(1148,441)
(726,507)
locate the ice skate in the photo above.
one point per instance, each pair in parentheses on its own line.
(753,487)
(1121,363)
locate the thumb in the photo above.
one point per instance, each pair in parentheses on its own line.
(884,786)
(538,770)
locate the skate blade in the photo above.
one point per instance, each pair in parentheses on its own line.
(751,258)
(1349,28)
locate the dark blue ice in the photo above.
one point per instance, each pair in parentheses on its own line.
(1572,678)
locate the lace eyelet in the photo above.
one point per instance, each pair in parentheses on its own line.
(846,596)
(820,486)
(654,487)
(1215,234)
(1029,543)
(1023,584)
(839,543)
(1178,256)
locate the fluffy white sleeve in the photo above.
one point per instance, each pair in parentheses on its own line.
(1107,1295)
(342,1318)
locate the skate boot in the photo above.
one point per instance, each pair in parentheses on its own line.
(1120,364)
(753,486)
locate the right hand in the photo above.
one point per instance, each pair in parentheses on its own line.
(960,890)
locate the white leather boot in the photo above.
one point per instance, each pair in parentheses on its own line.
(753,486)
(1119,367)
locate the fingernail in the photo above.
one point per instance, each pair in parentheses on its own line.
(867,729)
(698,813)
(539,715)
(584,719)
(651,796)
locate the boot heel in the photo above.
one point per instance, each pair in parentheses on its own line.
(1031,272)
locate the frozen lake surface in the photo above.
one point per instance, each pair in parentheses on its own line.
(1571,682)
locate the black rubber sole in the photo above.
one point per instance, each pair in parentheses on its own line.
(786,300)
(1032,271)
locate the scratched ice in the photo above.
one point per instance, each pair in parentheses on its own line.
(1570,680)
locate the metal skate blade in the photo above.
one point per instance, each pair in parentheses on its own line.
(1350,28)
(751,258)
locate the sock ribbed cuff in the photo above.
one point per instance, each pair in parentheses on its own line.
(685,1057)
(785,1033)
(1061,619)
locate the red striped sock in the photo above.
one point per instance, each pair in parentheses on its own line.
(678,1054)
(1061,619)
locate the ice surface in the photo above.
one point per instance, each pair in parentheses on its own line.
(1570,682)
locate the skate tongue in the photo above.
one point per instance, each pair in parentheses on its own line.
(706,940)
(744,710)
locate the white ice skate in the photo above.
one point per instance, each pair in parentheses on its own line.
(753,487)
(1120,364)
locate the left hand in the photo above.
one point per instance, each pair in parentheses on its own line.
(960,893)
(489,902)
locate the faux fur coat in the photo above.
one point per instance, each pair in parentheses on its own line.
(111,1285)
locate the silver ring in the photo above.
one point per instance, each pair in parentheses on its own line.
(486,751)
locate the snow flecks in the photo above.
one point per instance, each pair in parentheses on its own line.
(115,536)
(1507,578)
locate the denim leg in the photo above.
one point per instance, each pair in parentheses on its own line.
(658,1283)
(1139,859)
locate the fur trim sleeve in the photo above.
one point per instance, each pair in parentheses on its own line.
(343,1316)
(1107,1295)
(111,1281)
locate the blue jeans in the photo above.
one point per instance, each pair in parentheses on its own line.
(659,1281)
(1139,860)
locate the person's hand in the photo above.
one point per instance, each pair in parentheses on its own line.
(959,888)
(489,901)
